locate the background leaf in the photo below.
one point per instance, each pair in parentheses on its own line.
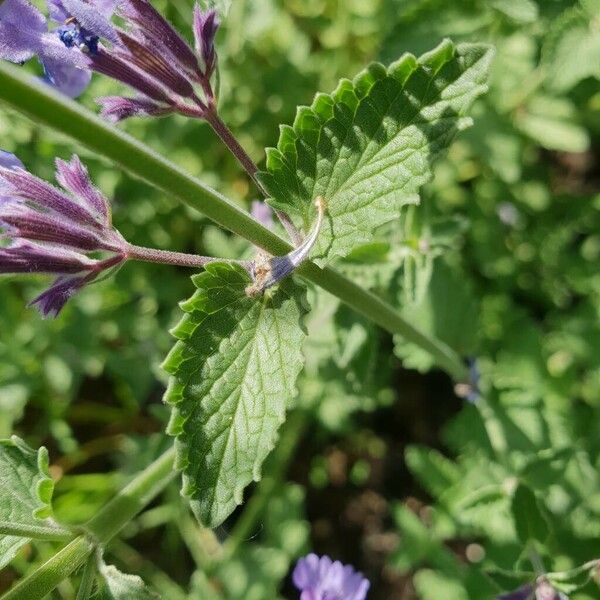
(122,586)
(530,523)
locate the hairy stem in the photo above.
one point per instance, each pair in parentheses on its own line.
(181,259)
(131,500)
(36,532)
(44,579)
(48,107)
(250,167)
(87,579)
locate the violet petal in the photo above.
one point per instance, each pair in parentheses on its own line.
(73,177)
(68,79)
(90,18)
(9,161)
(263,213)
(25,222)
(117,108)
(322,579)
(206,25)
(25,185)
(29,257)
(17,45)
(120,70)
(23,15)
(53,300)
(57,11)
(151,62)
(153,24)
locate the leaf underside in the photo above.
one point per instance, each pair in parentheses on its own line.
(122,586)
(234,372)
(369,146)
(25,492)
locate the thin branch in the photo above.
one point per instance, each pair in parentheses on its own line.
(181,259)
(227,137)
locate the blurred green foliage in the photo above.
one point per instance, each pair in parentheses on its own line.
(500,260)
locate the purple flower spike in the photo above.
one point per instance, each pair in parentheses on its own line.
(206,25)
(146,54)
(24,34)
(50,231)
(323,579)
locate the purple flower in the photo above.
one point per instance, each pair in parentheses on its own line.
(52,231)
(147,54)
(206,25)
(323,579)
(24,34)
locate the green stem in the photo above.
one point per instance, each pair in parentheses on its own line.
(87,579)
(36,532)
(274,471)
(43,580)
(47,107)
(133,498)
(102,528)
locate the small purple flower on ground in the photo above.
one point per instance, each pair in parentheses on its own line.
(320,578)
(51,231)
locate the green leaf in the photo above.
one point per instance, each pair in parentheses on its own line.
(234,374)
(552,122)
(520,11)
(435,472)
(431,585)
(571,49)
(26,490)
(121,586)
(530,523)
(368,147)
(447,309)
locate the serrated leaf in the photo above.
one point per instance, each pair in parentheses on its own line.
(234,372)
(26,490)
(368,147)
(530,523)
(121,586)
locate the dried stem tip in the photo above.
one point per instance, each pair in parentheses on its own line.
(269,271)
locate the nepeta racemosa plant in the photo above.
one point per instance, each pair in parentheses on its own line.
(346,167)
